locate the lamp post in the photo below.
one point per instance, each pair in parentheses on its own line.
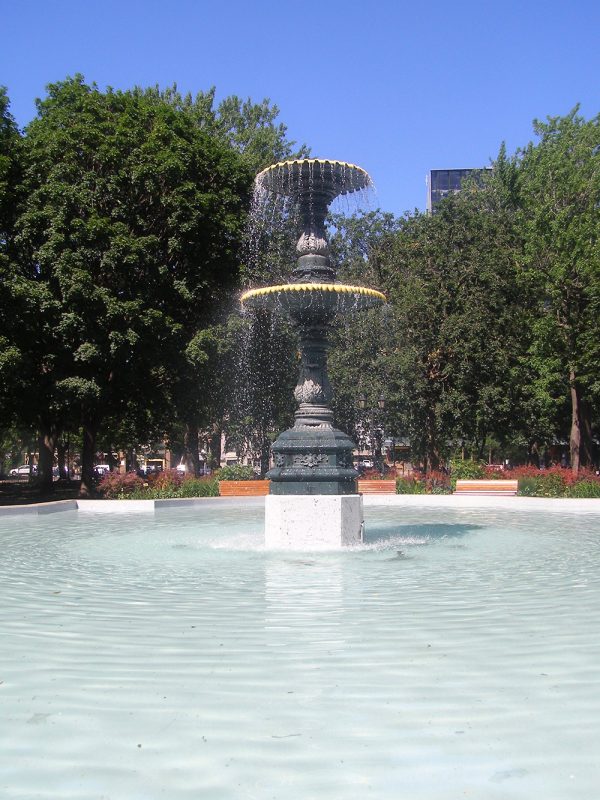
(374,421)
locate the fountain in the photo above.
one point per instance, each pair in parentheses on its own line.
(313,501)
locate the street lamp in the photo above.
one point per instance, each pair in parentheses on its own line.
(378,433)
(373,419)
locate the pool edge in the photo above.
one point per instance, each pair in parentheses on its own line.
(554,504)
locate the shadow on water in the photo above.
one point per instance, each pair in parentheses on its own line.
(417,533)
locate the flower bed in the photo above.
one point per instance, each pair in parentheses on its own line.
(533,482)
(418,483)
(162,485)
(554,482)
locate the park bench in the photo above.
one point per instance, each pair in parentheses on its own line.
(494,487)
(243,488)
(377,487)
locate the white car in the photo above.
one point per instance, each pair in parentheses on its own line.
(24,469)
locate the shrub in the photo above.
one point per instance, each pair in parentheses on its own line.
(551,484)
(168,480)
(236,472)
(466,470)
(584,488)
(493,473)
(527,486)
(113,485)
(162,486)
(535,482)
(555,482)
(199,487)
(437,483)
(370,474)
(408,485)
(432,483)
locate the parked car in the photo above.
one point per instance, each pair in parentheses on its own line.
(24,469)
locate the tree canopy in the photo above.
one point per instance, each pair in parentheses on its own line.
(491,333)
(128,236)
(123,244)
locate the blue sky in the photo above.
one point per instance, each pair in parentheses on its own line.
(398,88)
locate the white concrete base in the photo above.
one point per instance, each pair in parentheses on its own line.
(313,522)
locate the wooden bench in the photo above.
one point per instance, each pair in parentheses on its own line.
(377,487)
(243,488)
(502,487)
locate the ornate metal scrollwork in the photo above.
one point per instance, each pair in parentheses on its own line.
(310,460)
(309,392)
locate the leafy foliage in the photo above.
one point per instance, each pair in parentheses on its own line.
(113,485)
(236,472)
(466,469)
(432,483)
(490,336)
(169,484)
(122,219)
(129,234)
(558,200)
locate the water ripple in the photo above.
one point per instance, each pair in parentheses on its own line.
(453,654)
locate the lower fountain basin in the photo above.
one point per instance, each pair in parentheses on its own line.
(453,654)
(320,298)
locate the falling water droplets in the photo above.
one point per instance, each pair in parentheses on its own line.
(279,192)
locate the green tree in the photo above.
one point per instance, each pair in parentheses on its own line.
(15,303)
(559,197)
(359,251)
(444,349)
(214,358)
(250,128)
(131,229)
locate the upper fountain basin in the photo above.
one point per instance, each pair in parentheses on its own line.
(302,298)
(309,176)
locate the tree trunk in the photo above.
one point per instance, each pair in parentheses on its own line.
(191,448)
(46,445)
(61,453)
(576,438)
(130,460)
(214,449)
(432,458)
(265,456)
(88,453)
(585,412)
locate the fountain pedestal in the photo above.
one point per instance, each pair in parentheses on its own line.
(313,522)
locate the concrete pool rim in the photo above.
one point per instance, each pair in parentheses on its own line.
(541,504)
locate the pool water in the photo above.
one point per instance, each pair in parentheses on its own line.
(455,654)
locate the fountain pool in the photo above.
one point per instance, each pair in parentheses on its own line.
(453,654)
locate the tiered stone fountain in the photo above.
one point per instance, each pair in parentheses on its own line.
(314,502)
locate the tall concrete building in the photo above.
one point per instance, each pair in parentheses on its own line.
(442,182)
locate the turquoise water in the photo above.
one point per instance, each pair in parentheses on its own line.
(456,654)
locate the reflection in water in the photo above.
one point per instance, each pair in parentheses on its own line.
(389,530)
(304,601)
